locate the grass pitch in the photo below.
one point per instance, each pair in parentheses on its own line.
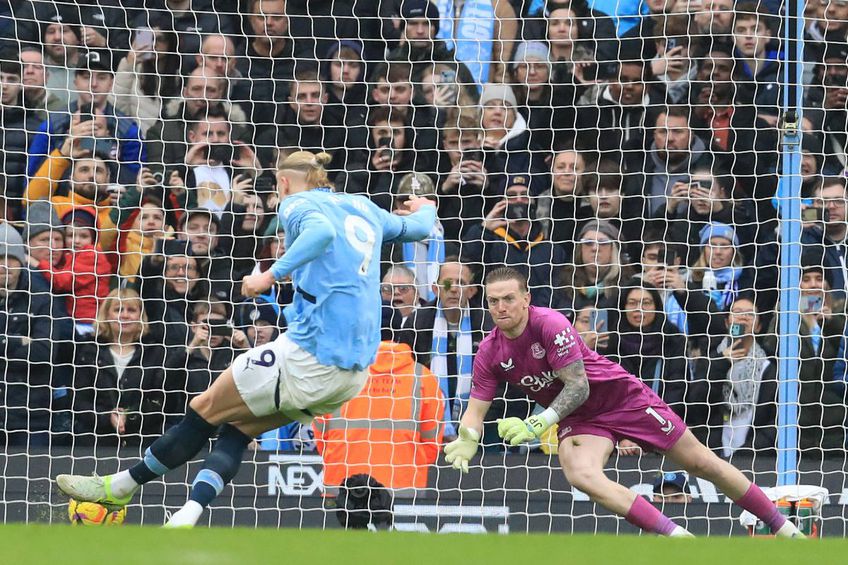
(128,545)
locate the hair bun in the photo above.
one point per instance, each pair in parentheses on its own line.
(323,158)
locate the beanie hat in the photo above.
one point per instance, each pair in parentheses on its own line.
(718,229)
(498,92)
(41,217)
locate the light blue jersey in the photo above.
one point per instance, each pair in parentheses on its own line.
(333,244)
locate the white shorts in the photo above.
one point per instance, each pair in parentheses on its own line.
(280,377)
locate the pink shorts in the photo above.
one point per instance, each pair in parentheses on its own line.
(654,428)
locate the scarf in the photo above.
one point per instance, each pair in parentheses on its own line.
(465,360)
(722,285)
(644,343)
(741,392)
(675,313)
(472,39)
(424,259)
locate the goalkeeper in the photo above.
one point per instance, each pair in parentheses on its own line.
(596,404)
(333,256)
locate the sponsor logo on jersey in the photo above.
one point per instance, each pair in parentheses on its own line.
(565,430)
(537,350)
(564,341)
(508,366)
(535,383)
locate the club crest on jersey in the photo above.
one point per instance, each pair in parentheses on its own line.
(537,350)
(508,366)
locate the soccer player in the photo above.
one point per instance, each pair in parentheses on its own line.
(333,256)
(596,404)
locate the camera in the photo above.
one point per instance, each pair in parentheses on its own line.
(473,155)
(221,153)
(362,502)
(220,328)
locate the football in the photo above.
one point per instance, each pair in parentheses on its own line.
(93,514)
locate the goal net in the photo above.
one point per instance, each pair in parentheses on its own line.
(669,175)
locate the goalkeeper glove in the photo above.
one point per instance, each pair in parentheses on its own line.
(463,448)
(517,431)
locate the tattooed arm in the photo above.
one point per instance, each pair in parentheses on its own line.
(574,392)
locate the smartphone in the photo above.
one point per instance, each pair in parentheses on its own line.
(599,320)
(448,83)
(670,259)
(100,147)
(670,43)
(473,155)
(590,71)
(810,303)
(221,153)
(221,329)
(144,39)
(736,331)
(812,214)
(86,112)
(385,146)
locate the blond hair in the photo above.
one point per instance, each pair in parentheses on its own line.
(102,327)
(311,164)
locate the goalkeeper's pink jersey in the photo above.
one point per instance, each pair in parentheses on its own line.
(549,343)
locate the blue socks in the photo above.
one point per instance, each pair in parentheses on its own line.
(221,465)
(174,448)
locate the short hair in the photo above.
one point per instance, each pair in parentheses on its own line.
(401,270)
(212,307)
(102,329)
(752,11)
(502,274)
(676,111)
(213,111)
(307,73)
(832,180)
(385,114)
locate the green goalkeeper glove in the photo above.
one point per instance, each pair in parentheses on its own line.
(459,451)
(517,431)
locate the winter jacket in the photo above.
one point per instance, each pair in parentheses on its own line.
(83,277)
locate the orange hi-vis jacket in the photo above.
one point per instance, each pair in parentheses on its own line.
(392,430)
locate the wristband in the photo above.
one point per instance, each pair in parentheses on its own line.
(550,417)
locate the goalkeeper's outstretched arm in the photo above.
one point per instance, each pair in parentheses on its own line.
(463,448)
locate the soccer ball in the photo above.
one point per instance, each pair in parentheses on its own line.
(93,514)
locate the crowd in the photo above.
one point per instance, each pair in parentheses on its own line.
(624,155)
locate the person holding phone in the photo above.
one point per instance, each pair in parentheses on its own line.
(673,64)
(733,392)
(145,78)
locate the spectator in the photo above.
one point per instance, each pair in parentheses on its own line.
(218,54)
(119,138)
(570,39)
(822,399)
(35,94)
(168,139)
(146,78)
(715,20)
(44,236)
(719,270)
(674,64)
(445,334)
(423,257)
(831,231)
(593,326)
(308,126)
(78,270)
(568,185)
(464,178)
(261,321)
(171,283)
(481,34)
(243,224)
(649,346)
(671,488)
(391,430)
(511,235)
(87,184)
(199,227)
(268,60)
(33,330)
(830,94)
(597,272)
(603,192)
(400,291)
(17,124)
(757,61)
(212,345)
(390,155)
(215,157)
(675,151)
(617,120)
(119,379)
(738,380)
(546,106)
(343,73)
(506,139)
(62,53)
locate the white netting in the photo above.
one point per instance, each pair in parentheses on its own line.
(626,156)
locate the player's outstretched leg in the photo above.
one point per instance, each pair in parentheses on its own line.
(221,466)
(583,457)
(699,461)
(220,403)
